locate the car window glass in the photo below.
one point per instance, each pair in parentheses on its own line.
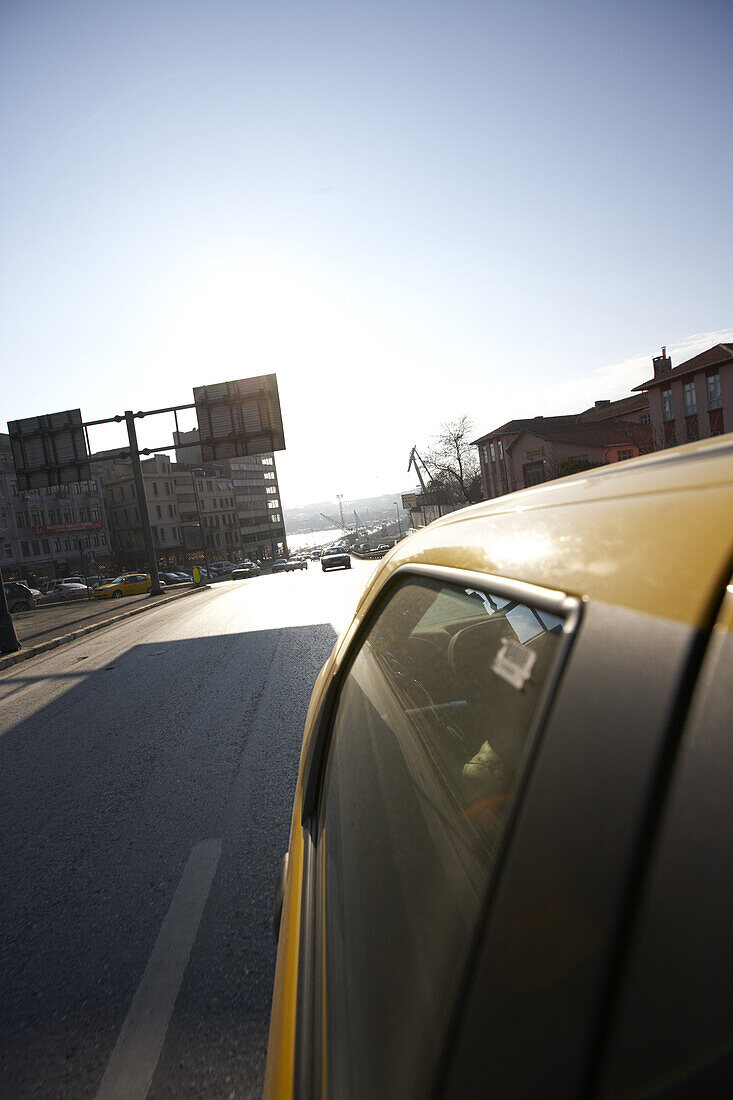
(427,745)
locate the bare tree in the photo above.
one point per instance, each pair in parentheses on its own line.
(452,462)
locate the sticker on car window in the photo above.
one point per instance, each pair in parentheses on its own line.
(514,663)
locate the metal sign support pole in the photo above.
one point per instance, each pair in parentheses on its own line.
(8,638)
(142,503)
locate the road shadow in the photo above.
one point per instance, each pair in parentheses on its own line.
(106,789)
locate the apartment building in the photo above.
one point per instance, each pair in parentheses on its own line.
(53,532)
(693,400)
(206,502)
(256,490)
(118,487)
(528,451)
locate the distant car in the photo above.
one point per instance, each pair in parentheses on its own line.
(245,569)
(280,565)
(220,568)
(298,562)
(384,546)
(336,557)
(171,578)
(315,554)
(18,596)
(128,584)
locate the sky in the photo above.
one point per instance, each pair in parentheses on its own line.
(407,210)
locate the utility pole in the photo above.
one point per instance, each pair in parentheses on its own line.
(137,472)
(8,638)
(399,521)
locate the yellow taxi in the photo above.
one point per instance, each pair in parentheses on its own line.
(510,865)
(129,584)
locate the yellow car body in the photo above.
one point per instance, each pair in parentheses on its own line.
(550,996)
(129,584)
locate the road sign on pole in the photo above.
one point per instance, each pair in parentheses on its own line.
(239,418)
(49,450)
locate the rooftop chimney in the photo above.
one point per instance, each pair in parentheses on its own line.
(662,363)
(600,404)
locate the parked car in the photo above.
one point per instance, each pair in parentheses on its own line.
(221,568)
(510,866)
(336,557)
(171,578)
(65,592)
(245,569)
(18,596)
(129,584)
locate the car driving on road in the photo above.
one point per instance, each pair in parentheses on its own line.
(510,865)
(336,557)
(245,569)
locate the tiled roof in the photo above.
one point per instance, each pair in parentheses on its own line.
(602,434)
(513,426)
(717,355)
(616,408)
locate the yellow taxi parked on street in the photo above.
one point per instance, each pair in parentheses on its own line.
(129,584)
(510,865)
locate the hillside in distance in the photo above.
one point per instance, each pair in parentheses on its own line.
(370,510)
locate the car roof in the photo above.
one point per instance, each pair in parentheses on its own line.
(652,533)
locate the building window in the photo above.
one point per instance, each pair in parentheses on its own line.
(492,452)
(690,398)
(167,488)
(670,436)
(715,400)
(534,473)
(645,418)
(158,511)
(155,488)
(500,449)
(24,550)
(667,409)
(716,421)
(623,453)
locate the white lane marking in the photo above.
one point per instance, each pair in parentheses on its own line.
(132,1063)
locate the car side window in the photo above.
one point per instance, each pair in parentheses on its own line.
(428,742)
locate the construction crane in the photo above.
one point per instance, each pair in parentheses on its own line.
(414,456)
(335,523)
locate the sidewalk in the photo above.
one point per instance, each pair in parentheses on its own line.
(48,627)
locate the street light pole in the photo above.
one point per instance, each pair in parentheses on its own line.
(137,472)
(339,498)
(8,638)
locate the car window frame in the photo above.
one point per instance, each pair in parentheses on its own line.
(309,1055)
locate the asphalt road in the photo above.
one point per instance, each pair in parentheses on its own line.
(147,775)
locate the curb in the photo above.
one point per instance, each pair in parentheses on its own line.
(43,647)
